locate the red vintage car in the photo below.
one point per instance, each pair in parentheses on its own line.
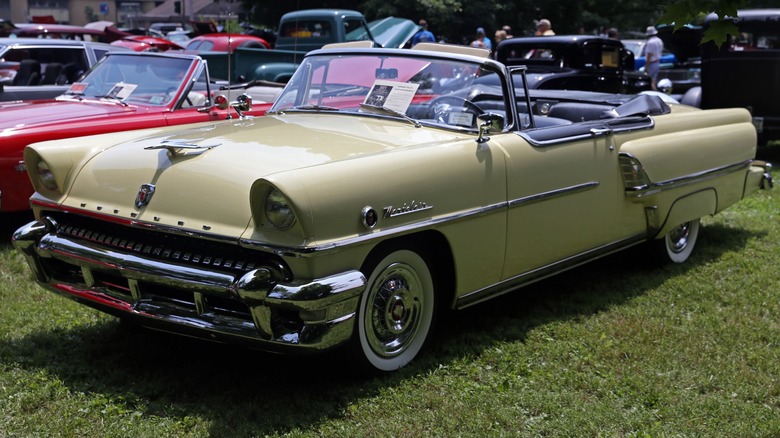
(223,42)
(146,43)
(125,91)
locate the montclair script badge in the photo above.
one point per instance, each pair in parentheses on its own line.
(144,195)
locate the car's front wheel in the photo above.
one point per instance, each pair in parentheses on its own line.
(396,310)
(678,243)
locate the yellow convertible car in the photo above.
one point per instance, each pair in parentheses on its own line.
(383,186)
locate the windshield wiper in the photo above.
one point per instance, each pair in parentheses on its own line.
(383,110)
(316,107)
(114,98)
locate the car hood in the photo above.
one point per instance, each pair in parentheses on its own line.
(393,32)
(213,184)
(42,113)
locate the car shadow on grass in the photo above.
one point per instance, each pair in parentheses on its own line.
(244,392)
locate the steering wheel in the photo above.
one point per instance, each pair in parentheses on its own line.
(440,108)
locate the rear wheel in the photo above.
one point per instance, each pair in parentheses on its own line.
(678,243)
(396,310)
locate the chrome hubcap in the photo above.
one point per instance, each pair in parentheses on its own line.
(678,237)
(395,312)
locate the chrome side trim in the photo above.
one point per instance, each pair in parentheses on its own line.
(410,228)
(526,278)
(587,130)
(389,232)
(657,187)
(553,194)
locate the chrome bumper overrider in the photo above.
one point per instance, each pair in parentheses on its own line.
(254,308)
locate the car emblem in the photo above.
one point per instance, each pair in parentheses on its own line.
(144,195)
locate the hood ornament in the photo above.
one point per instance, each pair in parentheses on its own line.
(182,147)
(144,195)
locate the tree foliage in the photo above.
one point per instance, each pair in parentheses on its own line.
(456,20)
(682,12)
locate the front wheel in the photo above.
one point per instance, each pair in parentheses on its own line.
(678,243)
(396,310)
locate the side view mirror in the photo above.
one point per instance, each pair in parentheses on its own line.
(242,104)
(487,122)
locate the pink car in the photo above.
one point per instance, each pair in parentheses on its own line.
(220,42)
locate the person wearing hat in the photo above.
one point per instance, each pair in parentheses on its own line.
(653,50)
(481,40)
(544,28)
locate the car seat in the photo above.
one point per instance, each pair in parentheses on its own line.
(51,74)
(29,73)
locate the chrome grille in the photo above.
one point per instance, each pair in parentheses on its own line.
(185,250)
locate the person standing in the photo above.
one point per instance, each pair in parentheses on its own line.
(481,40)
(500,36)
(506,28)
(544,28)
(423,35)
(653,50)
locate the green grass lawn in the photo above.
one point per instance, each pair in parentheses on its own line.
(614,348)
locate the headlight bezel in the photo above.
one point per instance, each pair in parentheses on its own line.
(45,176)
(278,210)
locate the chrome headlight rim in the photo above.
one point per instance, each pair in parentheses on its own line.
(277,210)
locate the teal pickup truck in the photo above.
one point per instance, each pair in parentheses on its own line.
(300,32)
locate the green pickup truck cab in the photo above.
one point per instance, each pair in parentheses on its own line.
(300,32)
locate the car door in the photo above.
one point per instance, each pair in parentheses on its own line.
(563,190)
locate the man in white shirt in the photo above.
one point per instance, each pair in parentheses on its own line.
(653,50)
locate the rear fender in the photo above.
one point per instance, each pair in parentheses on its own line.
(684,209)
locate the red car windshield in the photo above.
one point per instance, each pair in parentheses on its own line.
(150,81)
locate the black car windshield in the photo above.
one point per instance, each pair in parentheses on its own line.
(431,90)
(150,80)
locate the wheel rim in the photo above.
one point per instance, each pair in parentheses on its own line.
(679,237)
(396,302)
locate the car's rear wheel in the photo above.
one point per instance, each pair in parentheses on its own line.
(396,310)
(678,243)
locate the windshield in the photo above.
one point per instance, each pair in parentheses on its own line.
(149,80)
(423,89)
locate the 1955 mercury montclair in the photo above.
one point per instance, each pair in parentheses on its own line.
(384,185)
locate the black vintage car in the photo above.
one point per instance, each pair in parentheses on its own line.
(748,67)
(577,62)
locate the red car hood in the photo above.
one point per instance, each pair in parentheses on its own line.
(54,112)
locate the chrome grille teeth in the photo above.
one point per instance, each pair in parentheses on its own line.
(164,252)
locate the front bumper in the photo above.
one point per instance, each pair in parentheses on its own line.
(252,308)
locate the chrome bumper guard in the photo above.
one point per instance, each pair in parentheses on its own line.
(316,315)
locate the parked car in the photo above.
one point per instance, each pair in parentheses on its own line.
(104,33)
(33,68)
(147,43)
(383,186)
(744,72)
(637,47)
(126,90)
(223,42)
(579,62)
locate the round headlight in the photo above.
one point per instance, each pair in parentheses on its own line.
(278,210)
(45,177)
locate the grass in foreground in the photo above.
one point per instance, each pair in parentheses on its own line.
(614,348)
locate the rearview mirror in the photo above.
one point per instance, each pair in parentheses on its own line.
(386,73)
